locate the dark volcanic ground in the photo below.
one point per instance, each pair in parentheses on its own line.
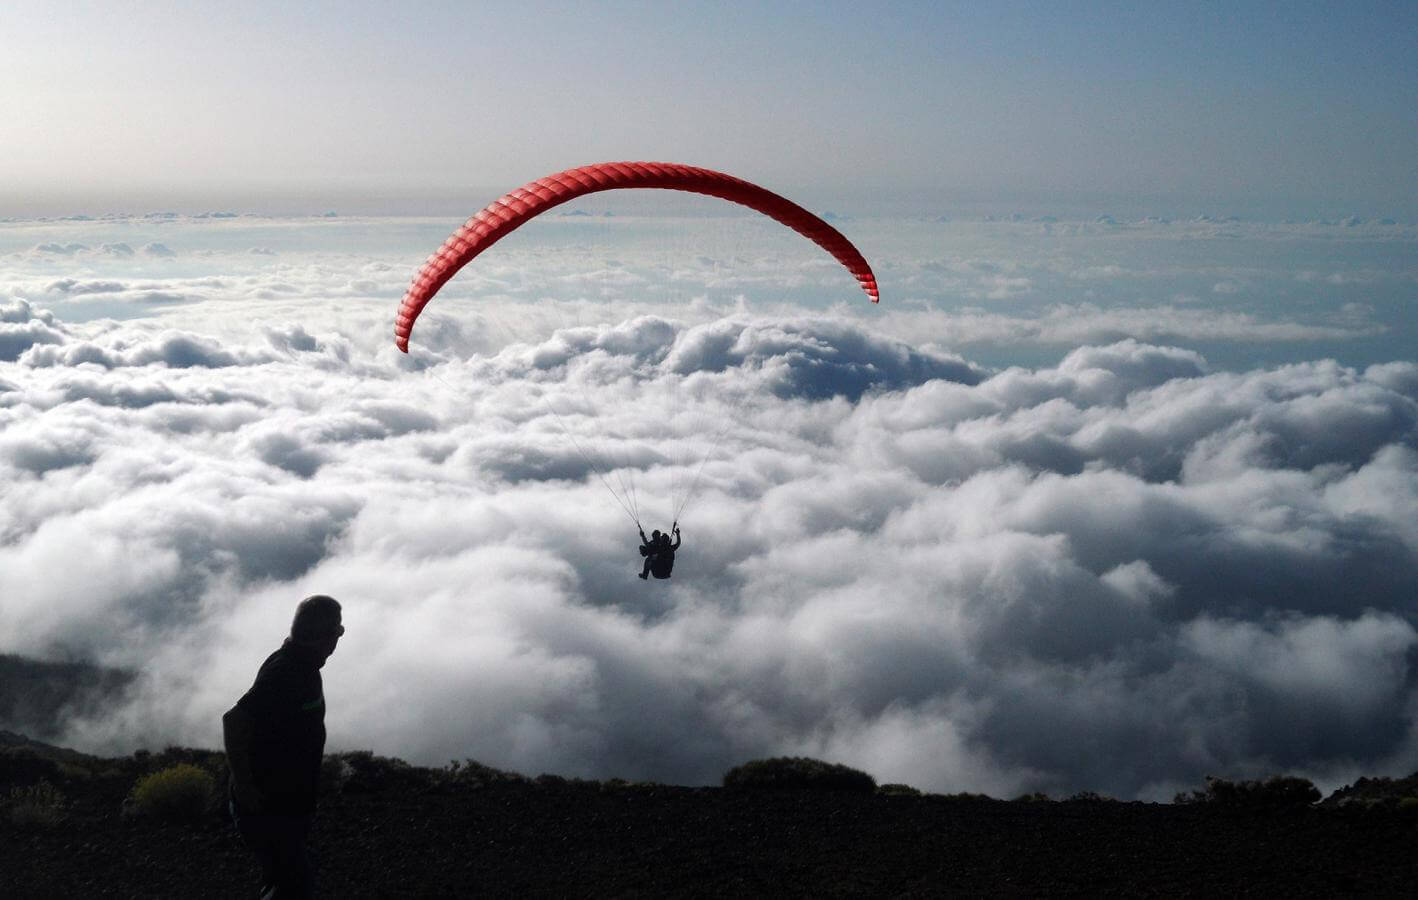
(399,832)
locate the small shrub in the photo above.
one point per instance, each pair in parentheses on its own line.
(180,793)
(335,773)
(968,797)
(1277,792)
(615,785)
(211,760)
(1374,793)
(373,774)
(552,780)
(898,790)
(798,773)
(1090,797)
(73,771)
(36,805)
(474,774)
(22,766)
(1035,797)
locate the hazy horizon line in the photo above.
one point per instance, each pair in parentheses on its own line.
(866,201)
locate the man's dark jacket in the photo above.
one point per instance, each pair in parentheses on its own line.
(287,708)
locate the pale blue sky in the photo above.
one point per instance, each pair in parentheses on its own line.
(1280,110)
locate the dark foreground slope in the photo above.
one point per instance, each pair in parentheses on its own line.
(395,831)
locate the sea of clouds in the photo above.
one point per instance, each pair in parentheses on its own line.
(1176,537)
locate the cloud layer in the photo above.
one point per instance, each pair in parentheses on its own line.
(1117,571)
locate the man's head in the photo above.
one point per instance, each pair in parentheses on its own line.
(655,534)
(316,625)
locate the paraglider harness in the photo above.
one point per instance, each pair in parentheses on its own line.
(661,554)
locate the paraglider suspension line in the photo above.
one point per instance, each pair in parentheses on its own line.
(713,446)
(594,468)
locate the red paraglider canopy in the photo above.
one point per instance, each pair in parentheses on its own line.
(505,214)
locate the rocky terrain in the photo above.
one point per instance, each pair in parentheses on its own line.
(386,829)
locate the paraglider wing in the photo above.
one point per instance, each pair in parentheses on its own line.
(511,210)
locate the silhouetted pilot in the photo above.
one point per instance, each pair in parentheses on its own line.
(659,553)
(275,740)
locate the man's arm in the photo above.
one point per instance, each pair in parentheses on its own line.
(676,543)
(237,728)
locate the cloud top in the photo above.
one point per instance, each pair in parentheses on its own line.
(1118,569)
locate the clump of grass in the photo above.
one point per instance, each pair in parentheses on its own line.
(38,805)
(1276,792)
(798,773)
(180,793)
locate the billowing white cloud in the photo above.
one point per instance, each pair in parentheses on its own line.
(1117,571)
(23,327)
(60,249)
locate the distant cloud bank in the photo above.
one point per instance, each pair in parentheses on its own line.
(1118,571)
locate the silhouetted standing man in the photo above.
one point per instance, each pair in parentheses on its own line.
(275,739)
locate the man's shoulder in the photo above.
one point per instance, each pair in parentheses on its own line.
(278,662)
(284,667)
